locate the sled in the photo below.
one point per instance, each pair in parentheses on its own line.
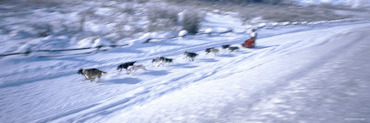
(249,43)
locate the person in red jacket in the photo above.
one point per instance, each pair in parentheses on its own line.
(251,42)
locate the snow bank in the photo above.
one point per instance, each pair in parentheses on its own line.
(353,3)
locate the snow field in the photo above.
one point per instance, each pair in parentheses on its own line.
(49,90)
(241,92)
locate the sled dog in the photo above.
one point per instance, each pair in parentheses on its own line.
(233,48)
(190,55)
(91,74)
(125,65)
(225,46)
(135,68)
(162,60)
(212,50)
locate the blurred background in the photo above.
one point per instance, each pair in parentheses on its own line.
(85,23)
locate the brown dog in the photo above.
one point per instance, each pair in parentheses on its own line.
(91,74)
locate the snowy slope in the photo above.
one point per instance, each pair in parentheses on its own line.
(317,83)
(48,89)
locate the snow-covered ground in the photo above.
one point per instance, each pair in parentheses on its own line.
(306,72)
(322,78)
(352,3)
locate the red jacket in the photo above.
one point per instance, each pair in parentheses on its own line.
(249,43)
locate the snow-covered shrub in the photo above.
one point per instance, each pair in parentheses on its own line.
(191,21)
(129,9)
(283,13)
(112,21)
(42,29)
(162,18)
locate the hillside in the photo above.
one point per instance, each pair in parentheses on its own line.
(300,70)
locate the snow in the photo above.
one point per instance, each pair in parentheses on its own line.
(86,42)
(229,96)
(182,33)
(274,80)
(101,42)
(353,3)
(291,74)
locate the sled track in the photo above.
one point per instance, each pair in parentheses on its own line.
(155,90)
(158,89)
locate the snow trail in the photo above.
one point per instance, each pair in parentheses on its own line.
(293,91)
(27,82)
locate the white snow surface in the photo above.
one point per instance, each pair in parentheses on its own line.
(296,73)
(353,3)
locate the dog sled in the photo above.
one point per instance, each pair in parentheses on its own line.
(250,43)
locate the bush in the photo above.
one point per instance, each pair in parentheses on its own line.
(191,21)
(129,9)
(283,13)
(42,29)
(162,18)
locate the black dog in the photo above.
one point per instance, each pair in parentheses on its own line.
(212,50)
(225,46)
(208,50)
(163,60)
(158,59)
(166,60)
(233,48)
(125,65)
(190,55)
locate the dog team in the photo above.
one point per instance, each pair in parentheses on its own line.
(92,73)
